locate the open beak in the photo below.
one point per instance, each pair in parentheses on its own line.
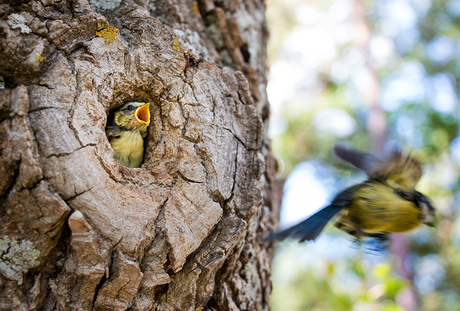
(143,115)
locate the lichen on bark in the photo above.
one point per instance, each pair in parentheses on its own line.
(17,258)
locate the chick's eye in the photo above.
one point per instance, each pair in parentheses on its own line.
(130,107)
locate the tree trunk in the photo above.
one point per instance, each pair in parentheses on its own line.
(79,231)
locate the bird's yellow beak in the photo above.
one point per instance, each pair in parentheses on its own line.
(142,114)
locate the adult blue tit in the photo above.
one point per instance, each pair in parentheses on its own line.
(126,135)
(386,202)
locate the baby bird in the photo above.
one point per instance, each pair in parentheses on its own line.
(127,134)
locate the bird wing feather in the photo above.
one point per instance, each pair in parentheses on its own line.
(364,161)
(113,131)
(310,228)
(400,170)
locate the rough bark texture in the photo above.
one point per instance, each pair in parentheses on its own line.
(79,231)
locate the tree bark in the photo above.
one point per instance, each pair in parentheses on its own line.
(79,231)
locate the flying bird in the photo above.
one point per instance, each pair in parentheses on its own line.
(386,202)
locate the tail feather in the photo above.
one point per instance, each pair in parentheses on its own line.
(310,228)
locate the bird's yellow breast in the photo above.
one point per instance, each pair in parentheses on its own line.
(128,148)
(376,207)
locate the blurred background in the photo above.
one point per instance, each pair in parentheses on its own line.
(373,73)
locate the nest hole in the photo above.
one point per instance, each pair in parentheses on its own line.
(112,130)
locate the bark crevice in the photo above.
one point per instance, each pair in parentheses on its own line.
(174,232)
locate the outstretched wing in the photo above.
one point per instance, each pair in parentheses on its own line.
(401,171)
(310,228)
(364,161)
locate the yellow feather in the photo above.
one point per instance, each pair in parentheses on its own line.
(400,171)
(378,208)
(128,148)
